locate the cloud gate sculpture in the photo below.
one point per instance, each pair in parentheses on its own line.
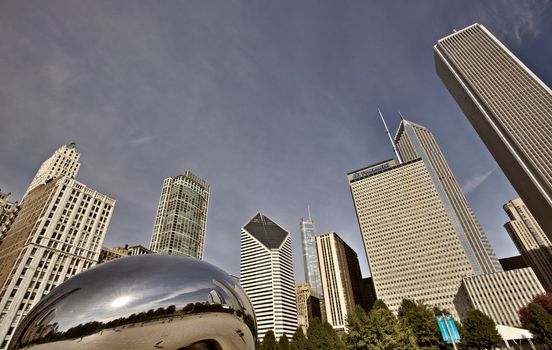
(142,302)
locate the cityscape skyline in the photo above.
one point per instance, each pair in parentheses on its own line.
(135,222)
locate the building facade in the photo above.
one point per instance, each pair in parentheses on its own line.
(310,255)
(415,141)
(508,106)
(57,234)
(266,275)
(108,254)
(411,244)
(341,278)
(530,240)
(500,295)
(64,162)
(308,305)
(181,218)
(8,212)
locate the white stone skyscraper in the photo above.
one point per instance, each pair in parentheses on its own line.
(64,162)
(266,275)
(509,107)
(181,218)
(58,233)
(413,249)
(310,255)
(530,240)
(415,141)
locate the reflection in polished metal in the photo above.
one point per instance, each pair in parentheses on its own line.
(142,302)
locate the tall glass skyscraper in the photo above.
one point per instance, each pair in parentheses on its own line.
(415,141)
(310,255)
(509,107)
(181,219)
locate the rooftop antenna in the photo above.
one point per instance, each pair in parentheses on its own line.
(390,138)
(308,208)
(400,114)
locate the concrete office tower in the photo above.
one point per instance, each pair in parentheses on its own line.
(509,107)
(308,306)
(341,278)
(266,275)
(310,256)
(500,295)
(415,141)
(530,240)
(412,247)
(57,234)
(64,162)
(8,212)
(181,219)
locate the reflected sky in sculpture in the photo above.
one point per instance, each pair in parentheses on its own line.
(102,304)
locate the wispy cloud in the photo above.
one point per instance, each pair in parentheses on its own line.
(474,182)
(515,20)
(142,140)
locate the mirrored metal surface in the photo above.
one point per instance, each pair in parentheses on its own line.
(142,302)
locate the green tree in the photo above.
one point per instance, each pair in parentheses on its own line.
(539,323)
(321,335)
(378,330)
(269,341)
(479,331)
(284,343)
(421,320)
(298,340)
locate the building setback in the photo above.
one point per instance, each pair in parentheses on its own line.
(500,295)
(181,218)
(341,279)
(64,162)
(530,240)
(411,244)
(308,306)
(415,141)
(57,234)
(508,106)
(108,254)
(266,275)
(8,212)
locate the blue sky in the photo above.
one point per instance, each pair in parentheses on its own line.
(271,102)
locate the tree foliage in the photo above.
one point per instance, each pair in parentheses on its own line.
(298,340)
(283,343)
(539,322)
(421,320)
(269,341)
(379,329)
(321,335)
(479,331)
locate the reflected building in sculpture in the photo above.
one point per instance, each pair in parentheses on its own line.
(266,275)
(530,240)
(508,106)
(181,218)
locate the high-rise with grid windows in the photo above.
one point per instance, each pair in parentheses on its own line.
(57,234)
(509,107)
(181,218)
(310,256)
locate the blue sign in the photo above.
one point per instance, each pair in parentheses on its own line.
(370,171)
(448,329)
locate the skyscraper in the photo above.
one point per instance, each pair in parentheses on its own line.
(308,306)
(412,246)
(310,255)
(341,278)
(57,234)
(181,218)
(266,275)
(532,243)
(509,107)
(415,141)
(64,162)
(8,212)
